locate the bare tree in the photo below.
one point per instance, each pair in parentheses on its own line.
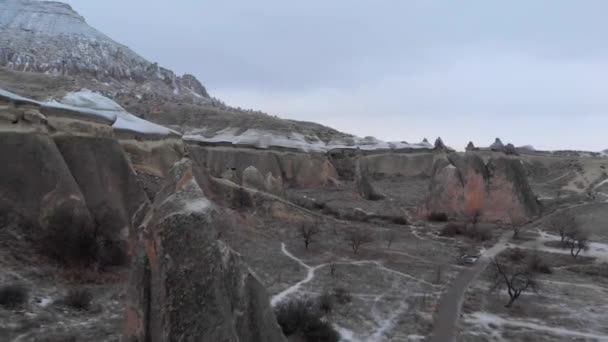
(516,223)
(515,279)
(563,223)
(578,240)
(307,233)
(474,216)
(358,237)
(389,237)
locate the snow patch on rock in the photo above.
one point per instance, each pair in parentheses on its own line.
(266,139)
(92,103)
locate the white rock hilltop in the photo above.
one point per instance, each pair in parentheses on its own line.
(50,37)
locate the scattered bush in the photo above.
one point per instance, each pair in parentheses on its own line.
(516,255)
(79,299)
(473,232)
(358,237)
(301,317)
(478,234)
(69,240)
(342,295)
(437,217)
(112,253)
(326,302)
(13,295)
(537,264)
(401,220)
(452,229)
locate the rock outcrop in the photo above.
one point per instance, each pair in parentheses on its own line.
(294,168)
(252,178)
(497,191)
(274,185)
(439,145)
(363,185)
(77,172)
(497,146)
(195,291)
(510,149)
(50,37)
(470,147)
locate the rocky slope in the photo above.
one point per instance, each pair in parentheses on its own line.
(51,38)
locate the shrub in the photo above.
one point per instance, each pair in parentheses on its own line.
(537,264)
(401,220)
(13,295)
(478,234)
(437,217)
(342,295)
(69,240)
(302,318)
(326,302)
(517,255)
(452,229)
(79,299)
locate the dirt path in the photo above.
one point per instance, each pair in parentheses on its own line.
(445,324)
(446,320)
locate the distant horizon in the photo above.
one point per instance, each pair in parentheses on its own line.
(528,73)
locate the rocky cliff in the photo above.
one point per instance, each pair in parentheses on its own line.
(69,174)
(466,186)
(195,291)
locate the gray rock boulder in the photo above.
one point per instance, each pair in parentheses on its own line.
(252,178)
(186,285)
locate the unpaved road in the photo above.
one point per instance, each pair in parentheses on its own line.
(445,324)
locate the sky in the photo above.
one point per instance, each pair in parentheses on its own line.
(529,72)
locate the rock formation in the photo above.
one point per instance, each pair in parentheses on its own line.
(470,147)
(497,191)
(77,173)
(295,169)
(274,185)
(60,42)
(195,291)
(439,145)
(252,178)
(510,150)
(497,146)
(363,184)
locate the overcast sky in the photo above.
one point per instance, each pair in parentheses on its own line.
(530,72)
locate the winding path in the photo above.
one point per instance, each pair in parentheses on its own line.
(445,324)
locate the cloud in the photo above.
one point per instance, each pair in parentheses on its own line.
(528,71)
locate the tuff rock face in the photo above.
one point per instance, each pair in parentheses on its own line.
(69,174)
(363,184)
(50,37)
(497,191)
(195,291)
(294,169)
